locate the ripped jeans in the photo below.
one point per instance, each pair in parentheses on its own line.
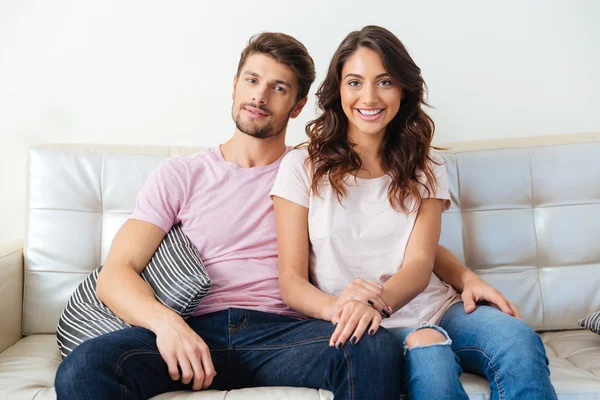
(486,342)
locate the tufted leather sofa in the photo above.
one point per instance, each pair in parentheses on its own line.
(525,217)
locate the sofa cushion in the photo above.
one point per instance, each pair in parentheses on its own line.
(591,322)
(175,274)
(27,371)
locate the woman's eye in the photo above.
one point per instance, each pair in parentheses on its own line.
(385,82)
(353,83)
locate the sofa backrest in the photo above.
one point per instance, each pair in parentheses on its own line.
(525,216)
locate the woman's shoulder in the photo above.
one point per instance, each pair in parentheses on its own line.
(436,156)
(296,158)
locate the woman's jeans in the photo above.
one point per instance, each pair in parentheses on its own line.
(248,349)
(486,342)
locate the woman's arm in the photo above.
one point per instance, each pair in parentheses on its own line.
(473,289)
(352,318)
(293,242)
(415,274)
(451,270)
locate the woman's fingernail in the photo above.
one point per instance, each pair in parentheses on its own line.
(372,332)
(335,325)
(384,311)
(339,345)
(370,302)
(353,340)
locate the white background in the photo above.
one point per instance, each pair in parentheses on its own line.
(160,72)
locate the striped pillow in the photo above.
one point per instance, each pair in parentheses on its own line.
(175,274)
(591,322)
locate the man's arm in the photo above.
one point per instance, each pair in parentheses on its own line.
(471,286)
(121,288)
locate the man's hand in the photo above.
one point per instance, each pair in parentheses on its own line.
(181,347)
(476,290)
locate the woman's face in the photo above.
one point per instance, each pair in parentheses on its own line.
(370,99)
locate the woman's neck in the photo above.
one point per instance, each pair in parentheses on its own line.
(368,148)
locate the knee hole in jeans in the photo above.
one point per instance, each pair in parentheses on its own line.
(424,337)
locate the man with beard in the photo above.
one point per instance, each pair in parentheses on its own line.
(242,329)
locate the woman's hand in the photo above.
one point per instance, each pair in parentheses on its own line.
(364,292)
(351,321)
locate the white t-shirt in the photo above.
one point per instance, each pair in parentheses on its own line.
(362,237)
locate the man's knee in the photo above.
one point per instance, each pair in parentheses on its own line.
(424,337)
(382,346)
(74,367)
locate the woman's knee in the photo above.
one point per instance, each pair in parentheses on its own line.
(424,337)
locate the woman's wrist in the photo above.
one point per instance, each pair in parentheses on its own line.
(328,308)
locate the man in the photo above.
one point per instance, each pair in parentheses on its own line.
(242,334)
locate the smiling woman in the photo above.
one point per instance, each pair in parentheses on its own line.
(358,223)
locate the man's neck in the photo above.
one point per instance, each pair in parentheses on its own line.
(248,152)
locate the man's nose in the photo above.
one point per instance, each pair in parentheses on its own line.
(261,95)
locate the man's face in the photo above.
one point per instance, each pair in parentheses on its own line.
(264,97)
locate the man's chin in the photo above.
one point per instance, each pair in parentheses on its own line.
(261,135)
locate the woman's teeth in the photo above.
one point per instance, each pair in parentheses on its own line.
(370,112)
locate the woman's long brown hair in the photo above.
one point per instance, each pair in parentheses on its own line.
(405,148)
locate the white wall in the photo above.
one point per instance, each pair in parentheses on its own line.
(150,72)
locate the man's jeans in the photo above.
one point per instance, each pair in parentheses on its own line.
(486,342)
(248,348)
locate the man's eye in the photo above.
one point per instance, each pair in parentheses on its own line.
(251,80)
(279,89)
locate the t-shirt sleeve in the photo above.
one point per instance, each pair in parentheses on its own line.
(293,179)
(161,198)
(441,177)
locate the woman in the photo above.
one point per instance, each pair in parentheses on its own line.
(359,212)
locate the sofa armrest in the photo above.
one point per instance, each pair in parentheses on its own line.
(11,293)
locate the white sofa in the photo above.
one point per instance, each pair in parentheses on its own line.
(525,216)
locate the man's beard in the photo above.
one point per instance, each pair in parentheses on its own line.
(272,129)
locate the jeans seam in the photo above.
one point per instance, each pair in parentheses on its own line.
(491,364)
(285,345)
(123,392)
(244,323)
(122,359)
(350,374)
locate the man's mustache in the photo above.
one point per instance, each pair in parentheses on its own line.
(261,108)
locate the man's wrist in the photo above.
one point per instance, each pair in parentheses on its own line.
(162,317)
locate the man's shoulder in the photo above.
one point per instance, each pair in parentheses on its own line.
(192,162)
(201,157)
(183,168)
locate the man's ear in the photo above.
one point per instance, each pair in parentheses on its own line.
(299,106)
(234,86)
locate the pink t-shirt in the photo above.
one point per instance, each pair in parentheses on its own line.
(362,237)
(226,212)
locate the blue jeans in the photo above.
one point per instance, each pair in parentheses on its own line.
(248,348)
(486,342)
